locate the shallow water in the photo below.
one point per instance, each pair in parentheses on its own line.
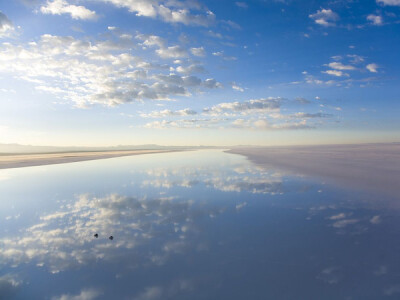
(192,225)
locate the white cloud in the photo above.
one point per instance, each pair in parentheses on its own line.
(218,53)
(59,7)
(194,68)
(355,59)
(302,115)
(169,113)
(340,66)
(169,11)
(264,124)
(375,220)
(251,106)
(393,289)
(344,223)
(241,4)
(6,26)
(151,293)
(240,205)
(335,73)
(325,17)
(237,87)
(389,2)
(198,51)
(186,123)
(8,286)
(253,115)
(215,34)
(231,24)
(100,71)
(223,56)
(169,291)
(85,294)
(375,19)
(164,51)
(212,84)
(172,52)
(302,100)
(373,68)
(151,40)
(338,216)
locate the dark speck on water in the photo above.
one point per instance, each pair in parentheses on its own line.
(96,235)
(111,237)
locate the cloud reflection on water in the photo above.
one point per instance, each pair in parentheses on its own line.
(221,228)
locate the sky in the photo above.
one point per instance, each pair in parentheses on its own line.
(175,72)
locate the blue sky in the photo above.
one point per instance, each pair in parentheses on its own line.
(172,72)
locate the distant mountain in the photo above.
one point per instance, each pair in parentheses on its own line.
(17,148)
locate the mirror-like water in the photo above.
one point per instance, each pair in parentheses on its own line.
(191,225)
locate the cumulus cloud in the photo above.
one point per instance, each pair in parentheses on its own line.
(231,24)
(8,286)
(330,275)
(85,294)
(6,26)
(236,87)
(325,17)
(223,56)
(172,52)
(184,12)
(241,4)
(375,220)
(164,51)
(355,59)
(250,106)
(186,123)
(344,223)
(59,7)
(373,68)
(339,66)
(261,114)
(100,71)
(335,73)
(211,83)
(151,40)
(302,100)
(169,113)
(302,115)
(393,289)
(151,293)
(375,19)
(389,2)
(198,51)
(169,291)
(194,68)
(264,124)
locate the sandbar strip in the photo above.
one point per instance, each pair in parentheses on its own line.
(29,160)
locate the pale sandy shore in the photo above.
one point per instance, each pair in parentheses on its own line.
(372,167)
(29,160)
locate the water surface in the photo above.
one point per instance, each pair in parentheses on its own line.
(192,225)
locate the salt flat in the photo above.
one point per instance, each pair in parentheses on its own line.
(374,167)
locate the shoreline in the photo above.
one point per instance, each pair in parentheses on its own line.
(12,161)
(371,167)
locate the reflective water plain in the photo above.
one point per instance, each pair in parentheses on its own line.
(192,225)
